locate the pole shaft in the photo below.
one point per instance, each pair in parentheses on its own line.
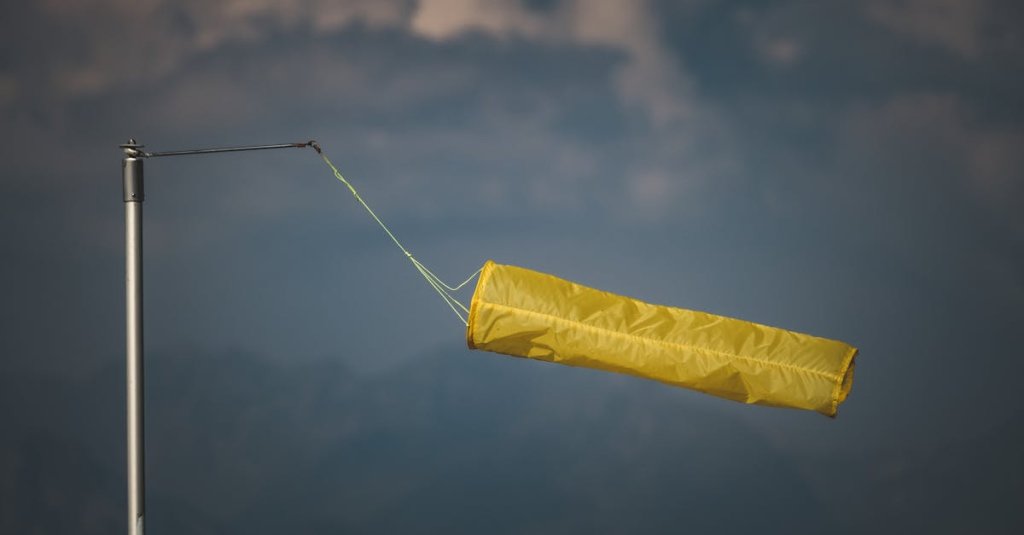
(133,197)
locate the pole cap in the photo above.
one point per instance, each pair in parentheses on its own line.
(132,149)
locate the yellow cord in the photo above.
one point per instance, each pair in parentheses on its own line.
(435,282)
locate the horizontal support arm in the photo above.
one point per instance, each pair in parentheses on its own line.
(133,150)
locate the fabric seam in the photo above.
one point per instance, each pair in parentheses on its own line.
(792,367)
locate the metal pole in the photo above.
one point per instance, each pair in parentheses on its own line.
(131,171)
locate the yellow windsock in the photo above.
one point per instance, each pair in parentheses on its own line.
(524,313)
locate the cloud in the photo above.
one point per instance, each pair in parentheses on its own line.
(651,192)
(119,42)
(237,66)
(942,132)
(943,188)
(248,20)
(649,78)
(780,51)
(8,89)
(955,25)
(442,20)
(132,43)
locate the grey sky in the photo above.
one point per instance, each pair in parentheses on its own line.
(851,170)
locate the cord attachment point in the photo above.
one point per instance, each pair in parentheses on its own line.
(132,149)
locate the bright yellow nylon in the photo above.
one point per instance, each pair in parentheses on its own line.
(524,313)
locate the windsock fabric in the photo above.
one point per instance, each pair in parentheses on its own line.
(525,313)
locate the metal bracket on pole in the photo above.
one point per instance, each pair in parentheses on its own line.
(133,190)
